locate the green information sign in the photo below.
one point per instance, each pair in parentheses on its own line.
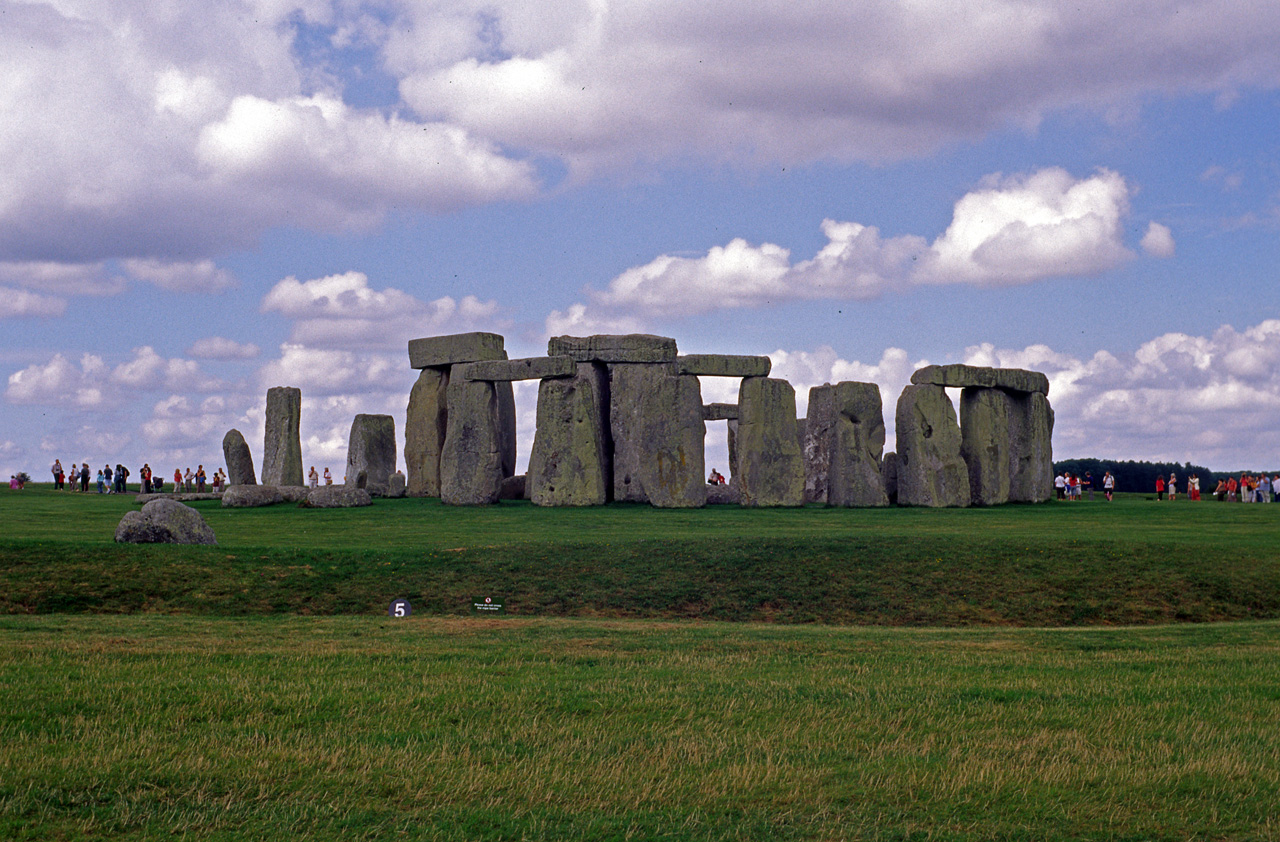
(488,605)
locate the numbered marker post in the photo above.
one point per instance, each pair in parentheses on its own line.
(400,608)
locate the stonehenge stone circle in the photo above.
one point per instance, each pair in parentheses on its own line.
(164,522)
(282,445)
(931,471)
(844,443)
(426,420)
(371,450)
(620,417)
(235,450)
(570,464)
(770,464)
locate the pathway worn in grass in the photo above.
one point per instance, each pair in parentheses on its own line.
(1134,561)
(346,728)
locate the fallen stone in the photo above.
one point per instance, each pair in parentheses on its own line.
(396,485)
(844,445)
(235,450)
(294,493)
(282,446)
(723,495)
(930,469)
(723,365)
(569,464)
(371,451)
(528,368)
(444,351)
(164,522)
(984,444)
(720,412)
(770,465)
(655,420)
(143,499)
(471,464)
(959,375)
(426,421)
(251,496)
(336,497)
(625,348)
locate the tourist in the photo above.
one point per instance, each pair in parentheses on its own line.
(99,480)
(1073,489)
(1264,489)
(1060,485)
(177,480)
(14,484)
(1160,487)
(328,478)
(107,476)
(1108,485)
(146,477)
(313,477)
(1088,484)
(716,478)
(1193,488)
(84,477)
(56,470)
(200,478)
(1173,486)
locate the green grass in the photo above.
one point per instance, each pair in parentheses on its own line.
(359,728)
(1131,562)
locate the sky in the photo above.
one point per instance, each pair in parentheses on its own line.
(199,201)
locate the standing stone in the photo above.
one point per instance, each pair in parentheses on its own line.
(844,443)
(426,421)
(1030,448)
(930,469)
(371,451)
(770,465)
(235,450)
(282,446)
(655,419)
(984,432)
(731,436)
(569,464)
(890,472)
(471,469)
(506,427)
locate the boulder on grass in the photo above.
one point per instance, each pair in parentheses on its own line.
(336,497)
(250,496)
(164,522)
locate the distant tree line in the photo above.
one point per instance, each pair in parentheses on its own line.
(1141,476)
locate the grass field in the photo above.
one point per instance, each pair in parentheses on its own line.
(895,681)
(1130,562)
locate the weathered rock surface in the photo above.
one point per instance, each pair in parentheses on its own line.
(723,365)
(282,445)
(569,464)
(655,420)
(371,450)
(961,376)
(843,445)
(514,488)
(506,426)
(444,351)
(235,450)
(889,469)
(164,522)
(931,471)
(984,444)
(250,496)
(770,469)
(723,495)
(471,464)
(426,421)
(396,485)
(143,499)
(528,368)
(1030,448)
(336,497)
(720,412)
(610,348)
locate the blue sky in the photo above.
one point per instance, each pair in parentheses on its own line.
(200,201)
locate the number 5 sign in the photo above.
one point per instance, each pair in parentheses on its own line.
(400,608)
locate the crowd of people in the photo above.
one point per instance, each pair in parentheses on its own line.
(115,479)
(1246,489)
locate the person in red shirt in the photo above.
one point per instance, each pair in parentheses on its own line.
(1160,487)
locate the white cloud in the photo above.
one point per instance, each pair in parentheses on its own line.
(1011,230)
(62,279)
(17,303)
(221,348)
(197,276)
(59,382)
(1158,241)
(332,372)
(576,321)
(343,311)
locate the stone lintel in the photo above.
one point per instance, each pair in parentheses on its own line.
(720,412)
(528,368)
(959,375)
(723,365)
(609,348)
(442,351)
